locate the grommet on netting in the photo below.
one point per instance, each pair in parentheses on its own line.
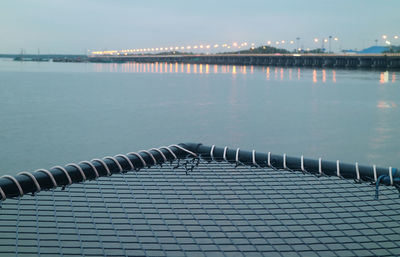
(78,168)
(338,169)
(284,161)
(185,150)
(96,173)
(212,152)
(302,165)
(358,179)
(33,179)
(389,177)
(224,154)
(48,173)
(151,156)
(237,162)
(170,151)
(3,195)
(320,166)
(115,161)
(132,167)
(140,157)
(161,153)
(193,163)
(268,162)
(253,158)
(104,165)
(21,192)
(65,172)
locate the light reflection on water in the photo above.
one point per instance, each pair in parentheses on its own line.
(323,75)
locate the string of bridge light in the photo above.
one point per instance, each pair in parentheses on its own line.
(386,39)
(199,47)
(234,45)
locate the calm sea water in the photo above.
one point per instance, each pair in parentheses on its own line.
(55,113)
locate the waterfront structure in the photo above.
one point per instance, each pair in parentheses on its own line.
(366,61)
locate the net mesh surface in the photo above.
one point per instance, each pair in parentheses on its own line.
(214,210)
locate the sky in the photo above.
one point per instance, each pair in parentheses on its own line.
(76,26)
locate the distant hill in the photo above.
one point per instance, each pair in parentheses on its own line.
(260,50)
(374,50)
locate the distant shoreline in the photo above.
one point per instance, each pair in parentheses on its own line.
(50,56)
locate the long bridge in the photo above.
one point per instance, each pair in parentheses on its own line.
(365,61)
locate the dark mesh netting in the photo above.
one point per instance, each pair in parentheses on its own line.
(213,210)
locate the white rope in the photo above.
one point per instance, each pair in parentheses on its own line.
(104,164)
(127,159)
(253,154)
(21,192)
(357,171)
(224,155)
(152,157)
(65,172)
(170,151)
(79,168)
(140,157)
(391,176)
(284,161)
(320,166)
(116,162)
(92,166)
(38,188)
(48,173)
(375,175)
(3,195)
(237,155)
(161,153)
(212,152)
(302,164)
(269,159)
(185,150)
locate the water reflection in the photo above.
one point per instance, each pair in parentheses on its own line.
(334,76)
(384,78)
(386,105)
(314,76)
(317,75)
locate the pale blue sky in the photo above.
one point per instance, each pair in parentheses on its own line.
(71,26)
